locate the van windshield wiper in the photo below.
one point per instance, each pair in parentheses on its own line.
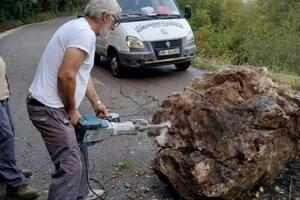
(166,15)
(150,15)
(130,17)
(133,14)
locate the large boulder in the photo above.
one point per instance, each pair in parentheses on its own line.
(230,131)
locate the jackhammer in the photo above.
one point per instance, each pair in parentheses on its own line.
(91,130)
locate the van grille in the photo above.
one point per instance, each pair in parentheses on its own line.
(165,45)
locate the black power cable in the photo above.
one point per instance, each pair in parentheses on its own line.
(87,177)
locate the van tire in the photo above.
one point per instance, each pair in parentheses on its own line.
(183,66)
(115,65)
(97,59)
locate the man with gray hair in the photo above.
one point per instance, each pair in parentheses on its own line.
(61,81)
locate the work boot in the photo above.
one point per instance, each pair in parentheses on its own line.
(27,173)
(23,192)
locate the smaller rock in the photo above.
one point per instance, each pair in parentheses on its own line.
(154,186)
(261,189)
(279,190)
(145,189)
(154,198)
(127,185)
(115,175)
(45,192)
(131,196)
(27,173)
(141,173)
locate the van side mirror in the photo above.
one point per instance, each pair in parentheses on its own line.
(188,11)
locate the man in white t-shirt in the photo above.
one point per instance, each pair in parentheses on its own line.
(61,81)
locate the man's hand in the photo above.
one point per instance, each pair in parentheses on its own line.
(101,111)
(75,116)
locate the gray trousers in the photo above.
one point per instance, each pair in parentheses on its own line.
(9,172)
(69,181)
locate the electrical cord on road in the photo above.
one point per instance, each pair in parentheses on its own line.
(87,177)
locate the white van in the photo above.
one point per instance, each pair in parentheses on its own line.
(151,32)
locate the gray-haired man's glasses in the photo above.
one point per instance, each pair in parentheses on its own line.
(116,22)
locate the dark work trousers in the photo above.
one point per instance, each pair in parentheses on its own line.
(9,172)
(69,181)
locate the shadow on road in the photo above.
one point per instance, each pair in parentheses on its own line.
(144,72)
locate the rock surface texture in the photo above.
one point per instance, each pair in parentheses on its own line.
(231,131)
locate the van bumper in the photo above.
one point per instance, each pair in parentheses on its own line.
(144,59)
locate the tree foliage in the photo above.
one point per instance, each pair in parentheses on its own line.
(256,32)
(22,9)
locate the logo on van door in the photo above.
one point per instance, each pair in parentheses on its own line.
(161,24)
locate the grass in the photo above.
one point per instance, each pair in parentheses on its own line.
(212,64)
(126,164)
(290,79)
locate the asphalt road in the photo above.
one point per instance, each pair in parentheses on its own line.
(135,96)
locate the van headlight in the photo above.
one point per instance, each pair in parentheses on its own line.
(190,39)
(133,42)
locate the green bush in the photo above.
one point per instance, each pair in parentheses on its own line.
(256,32)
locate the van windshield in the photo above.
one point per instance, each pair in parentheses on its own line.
(149,8)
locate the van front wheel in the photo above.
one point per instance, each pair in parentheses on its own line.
(115,65)
(183,66)
(97,59)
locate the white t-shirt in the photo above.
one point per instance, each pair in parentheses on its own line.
(78,34)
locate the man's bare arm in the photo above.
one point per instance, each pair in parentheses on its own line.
(91,93)
(99,108)
(66,78)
